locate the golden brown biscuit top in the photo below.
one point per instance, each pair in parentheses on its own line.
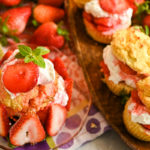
(132,47)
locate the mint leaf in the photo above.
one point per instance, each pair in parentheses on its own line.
(39,61)
(19,56)
(5,29)
(41,50)
(24,50)
(30,55)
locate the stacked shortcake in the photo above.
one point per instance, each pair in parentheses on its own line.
(126,68)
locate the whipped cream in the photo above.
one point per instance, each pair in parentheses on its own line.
(46,74)
(93,7)
(112,63)
(142,118)
(61,96)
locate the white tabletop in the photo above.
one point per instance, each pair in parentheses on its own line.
(108,141)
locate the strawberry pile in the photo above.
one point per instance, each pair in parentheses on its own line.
(22,75)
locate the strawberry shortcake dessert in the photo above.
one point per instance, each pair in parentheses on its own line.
(126,60)
(104,17)
(136,115)
(35,92)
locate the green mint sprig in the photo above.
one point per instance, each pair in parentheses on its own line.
(30,55)
(124,97)
(62,31)
(6,33)
(143,8)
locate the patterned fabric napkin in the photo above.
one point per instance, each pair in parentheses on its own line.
(95,125)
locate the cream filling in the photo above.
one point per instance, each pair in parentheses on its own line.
(143,118)
(114,68)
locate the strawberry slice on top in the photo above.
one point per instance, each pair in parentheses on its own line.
(28,129)
(20,76)
(114,6)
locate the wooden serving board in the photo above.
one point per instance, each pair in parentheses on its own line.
(89,55)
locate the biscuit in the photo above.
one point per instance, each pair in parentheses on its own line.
(144,93)
(132,47)
(117,89)
(133,128)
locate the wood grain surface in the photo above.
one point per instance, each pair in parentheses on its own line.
(89,55)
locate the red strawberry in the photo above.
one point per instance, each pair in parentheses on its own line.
(87,16)
(10,2)
(46,35)
(114,6)
(4,121)
(28,129)
(56,119)
(106,21)
(146,126)
(104,69)
(43,114)
(125,68)
(133,4)
(56,3)
(146,20)
(20,77)
(17,19)
(6,56)
(69,86)
(134,95)
(44,13)
(60,67)
(102,28)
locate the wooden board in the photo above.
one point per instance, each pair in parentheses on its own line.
(89,55)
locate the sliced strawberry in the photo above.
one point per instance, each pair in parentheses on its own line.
(125,68)
(69,86)
(146,126)
(102,28)
(56,118)
(44,13)
(4,121)
(56,3)
(146,21)
(46,35)
(104,69)
(60,67)
(10,2)
(106,21)
(114,6)
(134,95)
(43,114)
(20,77)
(28,129)
(6,56)
(17,18)
(87,16)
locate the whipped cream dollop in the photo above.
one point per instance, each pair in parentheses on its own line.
(115,72)
(139,117)
(93,7)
